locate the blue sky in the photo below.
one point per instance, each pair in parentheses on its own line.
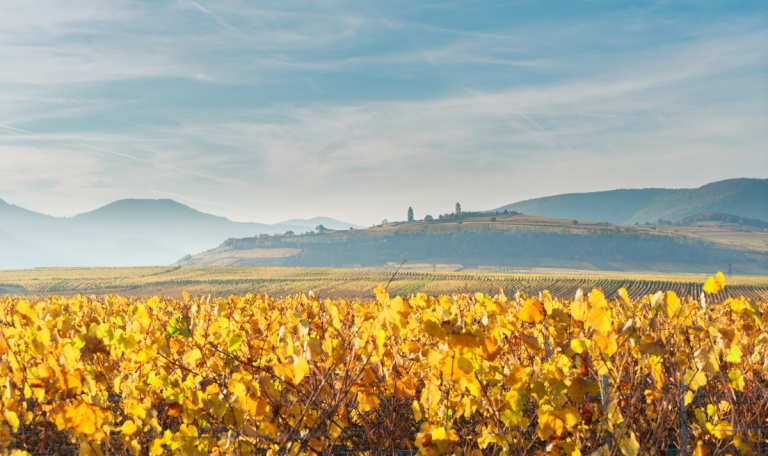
(264,111)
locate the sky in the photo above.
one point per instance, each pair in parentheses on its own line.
(266,111)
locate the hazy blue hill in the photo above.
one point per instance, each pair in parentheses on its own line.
(743,197)
(136,212)
(168,223)
(614,206)
(12,214)
(128,232)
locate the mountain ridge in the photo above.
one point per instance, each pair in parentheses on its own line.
(127,232)
(746,197)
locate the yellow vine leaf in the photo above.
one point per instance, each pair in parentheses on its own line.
(12,419)
(490,349)
(571,416)
(143,317)
(300,369)
(605,342)
(598,318)
(657,371)
(128,428)
(444,439)
(738,442)
(597,298)
(701,449)
(192,356)
(706,361)
(694,379)
(71,381)
(85,419)
(629,445)
(671,304)
(532,311)
(580,387)
(737,380)
(578,310)
(723,430)
(715,285)
(550,424)
(581,345)
(735,355)
(532,342)
(367,401)
(400,306)
(233,342)
(431,326)
(624,297)
(651,347)
(465,341)
(69,356)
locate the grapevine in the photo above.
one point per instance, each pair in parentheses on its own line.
(461,374)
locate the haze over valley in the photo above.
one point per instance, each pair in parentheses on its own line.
(125,233)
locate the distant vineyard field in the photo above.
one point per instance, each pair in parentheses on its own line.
(344,283)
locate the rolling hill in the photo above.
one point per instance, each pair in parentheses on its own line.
(742,197)
(128,232)
(507,242)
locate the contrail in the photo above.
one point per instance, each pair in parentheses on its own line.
(218,18)
(482,95)
(545,131)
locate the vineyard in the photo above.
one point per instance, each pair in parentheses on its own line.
(344,283)
(467,373)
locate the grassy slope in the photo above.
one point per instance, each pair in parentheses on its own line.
(715,234)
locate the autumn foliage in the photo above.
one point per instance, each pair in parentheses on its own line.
(454,374)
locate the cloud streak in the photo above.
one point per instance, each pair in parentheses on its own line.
(281,110)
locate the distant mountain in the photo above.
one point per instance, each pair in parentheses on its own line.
(129,232)
(742,197)
(11,214)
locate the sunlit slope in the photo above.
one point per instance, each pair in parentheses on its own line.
(507,242)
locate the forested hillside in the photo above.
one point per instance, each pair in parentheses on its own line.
(742,197)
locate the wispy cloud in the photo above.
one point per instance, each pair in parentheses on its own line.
(269,111)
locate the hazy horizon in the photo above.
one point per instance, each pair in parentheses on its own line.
(357,111)
(294,219)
